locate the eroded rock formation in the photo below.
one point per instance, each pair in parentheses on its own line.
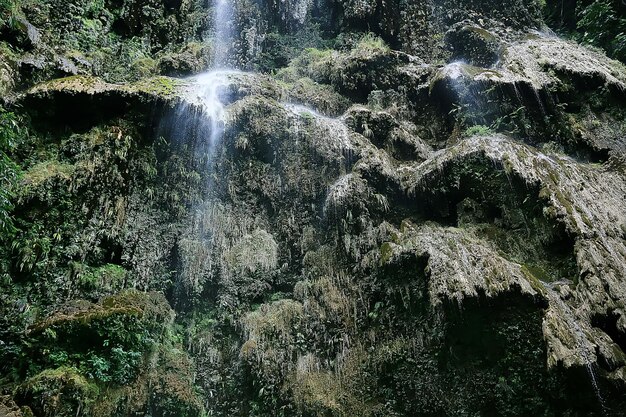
(410,209)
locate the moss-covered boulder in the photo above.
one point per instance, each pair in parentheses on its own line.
(94,359)
(59,392)
(475,45)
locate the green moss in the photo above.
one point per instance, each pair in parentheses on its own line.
(160,86)
(533,275)
(304,90)
(371,44)
(46,170)
(125,319)
(144,67)
(538,272)
(61,392)
(386,253)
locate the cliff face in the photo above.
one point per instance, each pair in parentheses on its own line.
(381,208)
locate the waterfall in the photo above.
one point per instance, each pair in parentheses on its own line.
(209,86)
(223,33)
(211,83)
(198,124)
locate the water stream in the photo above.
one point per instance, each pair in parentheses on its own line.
(223,17)
(211,84)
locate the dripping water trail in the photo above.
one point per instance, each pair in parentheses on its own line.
(579,338)
(332,127)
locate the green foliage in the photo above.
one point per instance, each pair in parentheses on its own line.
(106,342)
(280,48)
(10,134)
(8,11)
(108,351)
(98,368)
(601,23)
(109,276)
(119,366)
(60,392)
(371,43)
(478,130)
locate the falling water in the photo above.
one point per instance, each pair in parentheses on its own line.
(579,339)
(223,33)
(198,123)
(211,84)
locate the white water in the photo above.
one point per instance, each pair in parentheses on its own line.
(454,70)
(222,40)
(209,86)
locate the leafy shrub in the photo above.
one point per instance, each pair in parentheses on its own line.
(8,10)
(98,368)
(601,23)
(478,130)
(10,132)
(125,365)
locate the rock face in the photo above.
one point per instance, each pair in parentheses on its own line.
(406,208)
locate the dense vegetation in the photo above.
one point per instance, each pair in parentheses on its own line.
(600,23)
(10,132)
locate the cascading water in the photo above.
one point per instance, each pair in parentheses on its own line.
(579,339)
(200,120)
(209,86)
(211,83)
(198,123)
(222,22)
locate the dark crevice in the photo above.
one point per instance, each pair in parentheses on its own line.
(608,324)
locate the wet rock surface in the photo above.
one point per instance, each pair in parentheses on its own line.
(427,219)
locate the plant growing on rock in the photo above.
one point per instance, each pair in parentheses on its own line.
(11,133)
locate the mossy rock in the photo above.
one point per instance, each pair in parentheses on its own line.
(131,303)
(473,45)
(368,65)
(191,59)
(62,392)
(173,392)
(8,408)
(156,88)
(254,252)
(108,341)
(319,96)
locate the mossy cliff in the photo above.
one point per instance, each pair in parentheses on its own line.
(396,209)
